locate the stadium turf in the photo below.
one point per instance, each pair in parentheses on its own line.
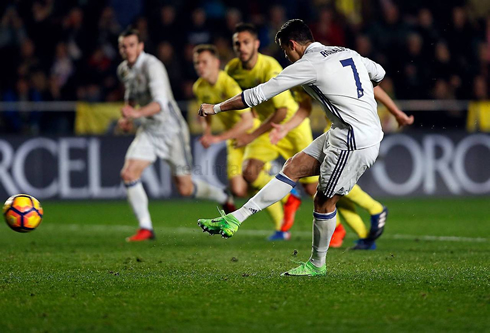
(75,273)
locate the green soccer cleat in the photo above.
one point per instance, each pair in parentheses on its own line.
(306,269)
(226,225)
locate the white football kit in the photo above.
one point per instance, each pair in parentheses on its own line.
(341,81)
(165,134)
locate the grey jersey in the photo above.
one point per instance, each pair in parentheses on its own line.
(341,81)
(145,82)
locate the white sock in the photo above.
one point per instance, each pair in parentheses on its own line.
(273,191)
(323,228)
(203,190)
(139,202)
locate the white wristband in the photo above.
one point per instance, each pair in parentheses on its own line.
(217,108)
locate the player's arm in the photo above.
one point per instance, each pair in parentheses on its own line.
(264,127)
(281,130)
(241,127)
(124,123)
(149,110)
(400,116)
(206,125)
(300,73)
(235,132)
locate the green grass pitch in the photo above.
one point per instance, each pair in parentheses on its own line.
(76,273)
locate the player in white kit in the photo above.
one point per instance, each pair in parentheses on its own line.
(342,81)
(163,132)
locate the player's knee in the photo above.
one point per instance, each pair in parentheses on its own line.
(127,176)
(250,175)
(185,189)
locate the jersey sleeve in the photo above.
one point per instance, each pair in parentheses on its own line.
(158,83)
(376,71)
(300,73)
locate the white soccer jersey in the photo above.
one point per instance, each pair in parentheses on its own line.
(340,79)
(145,82)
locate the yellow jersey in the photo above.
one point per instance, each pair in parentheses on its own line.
(224,88)
(265,69)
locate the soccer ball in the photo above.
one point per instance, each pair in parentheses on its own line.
(22,212)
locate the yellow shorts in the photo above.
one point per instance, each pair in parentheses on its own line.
(298,139)
(234,160)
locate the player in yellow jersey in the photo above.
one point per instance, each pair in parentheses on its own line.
(249,69)
(213,86)
(346,206)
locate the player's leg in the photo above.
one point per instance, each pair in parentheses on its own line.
(140,154)
(298,140)
(235,162)
(324,222)
(336,180)
(234,159)
(180,161)
(256,165)
(137,198)
(304,164)
(347,210)
(238,186)
(378,213)
(197,188)
(301,165)
(364,200)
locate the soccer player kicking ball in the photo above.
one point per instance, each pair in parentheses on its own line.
(342,81)
(163,132)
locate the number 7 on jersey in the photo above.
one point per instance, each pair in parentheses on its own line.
(350,62)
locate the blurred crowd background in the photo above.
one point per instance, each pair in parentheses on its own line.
(66,50)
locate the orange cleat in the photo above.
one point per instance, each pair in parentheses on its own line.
(141,235)
(290,208)
(338,236)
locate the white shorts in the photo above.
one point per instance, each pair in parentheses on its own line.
(340,169)
(173,148)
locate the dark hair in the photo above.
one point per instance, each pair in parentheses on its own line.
(206,47)
(249,27)
(296,30)
(131,32)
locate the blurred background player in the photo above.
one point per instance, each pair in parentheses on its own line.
(249,69)
(213,86)
(163,132)
(346,206)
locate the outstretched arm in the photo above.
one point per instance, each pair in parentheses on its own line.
(265,126)
(400,116)
(300,73)
(240,128)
